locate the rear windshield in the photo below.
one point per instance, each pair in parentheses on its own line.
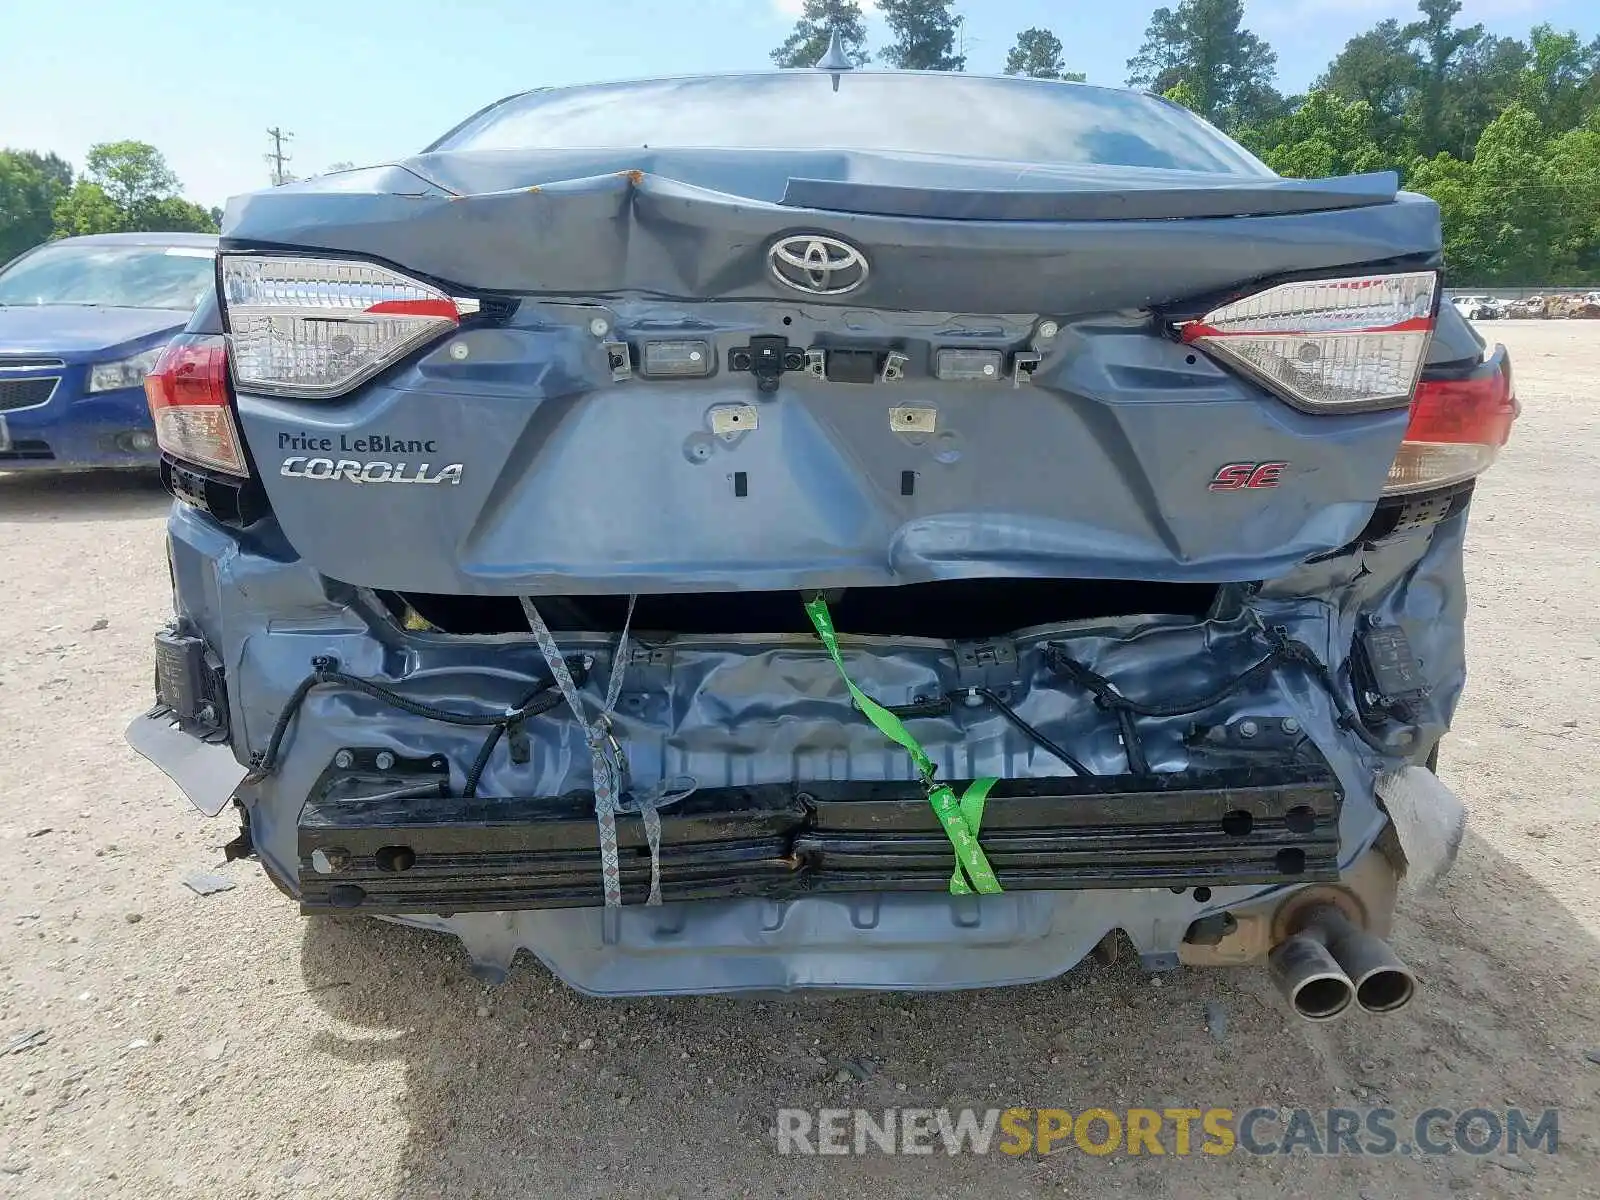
(1015,120)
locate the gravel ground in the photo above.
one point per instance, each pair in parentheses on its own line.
(202,1046)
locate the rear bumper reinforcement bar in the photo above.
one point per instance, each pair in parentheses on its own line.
(394,841)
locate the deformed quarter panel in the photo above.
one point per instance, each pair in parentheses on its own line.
(1413,580)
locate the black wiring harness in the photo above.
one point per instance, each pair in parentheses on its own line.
(325,671)
(1032,734)
(1283,651)
(944,705)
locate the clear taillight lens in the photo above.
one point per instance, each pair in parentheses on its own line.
(1328,345)
(316,328)
(188,394)
(1457,428)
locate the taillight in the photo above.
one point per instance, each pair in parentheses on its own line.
(188,394)
(1457,428)
(315,328)
(1328,345)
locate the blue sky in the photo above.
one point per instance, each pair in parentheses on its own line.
(367,80)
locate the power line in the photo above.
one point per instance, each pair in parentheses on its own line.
(276,157)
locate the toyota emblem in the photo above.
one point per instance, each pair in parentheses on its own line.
(823,266)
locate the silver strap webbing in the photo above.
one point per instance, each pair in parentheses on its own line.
(649,805)
(609,764)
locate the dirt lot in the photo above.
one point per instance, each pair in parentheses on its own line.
(224,1046)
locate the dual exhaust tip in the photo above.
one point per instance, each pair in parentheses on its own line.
(1331,963)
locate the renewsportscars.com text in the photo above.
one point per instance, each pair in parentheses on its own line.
(1175,1131)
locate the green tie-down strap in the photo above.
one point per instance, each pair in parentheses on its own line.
(960,818)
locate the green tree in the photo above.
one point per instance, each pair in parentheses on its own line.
(924,35)
(31,185)
(819,21)
(1502,133)
(1441,41)
(87,209)
(1483,81)
(1184,93)
(1323,136)
(172,215)
(1561,79)
(128,187)
(1202,43)
(1508,217)
(1518,202)
(1038,54)
(1432,86)
(130,173)
(1452,184)
(1573,158)
(1381,68)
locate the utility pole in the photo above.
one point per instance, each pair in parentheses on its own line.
(276,157)
(962,40)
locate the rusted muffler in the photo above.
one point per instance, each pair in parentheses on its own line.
(1330,961)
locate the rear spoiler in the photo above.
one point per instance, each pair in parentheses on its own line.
(1269,197)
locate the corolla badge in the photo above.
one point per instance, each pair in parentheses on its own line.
(369,472)
(823,266)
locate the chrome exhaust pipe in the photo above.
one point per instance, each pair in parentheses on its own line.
(1382,982)
(1309,977)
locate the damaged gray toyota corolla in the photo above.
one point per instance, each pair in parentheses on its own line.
(808,529)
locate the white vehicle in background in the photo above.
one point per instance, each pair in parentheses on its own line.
(1478,308)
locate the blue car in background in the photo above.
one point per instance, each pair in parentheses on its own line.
(81,321)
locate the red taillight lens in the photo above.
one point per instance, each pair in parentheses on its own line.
(188,394)
(1457,428)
